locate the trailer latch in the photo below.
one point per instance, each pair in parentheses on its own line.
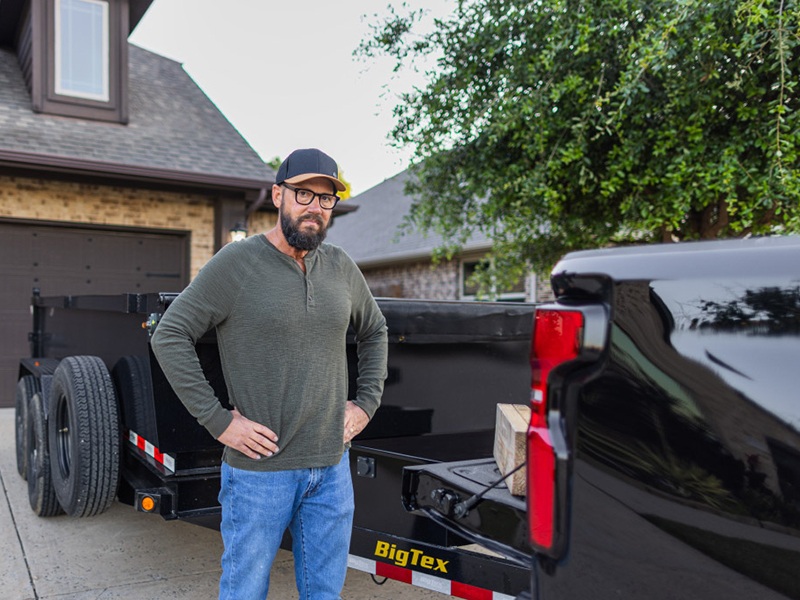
(445,501)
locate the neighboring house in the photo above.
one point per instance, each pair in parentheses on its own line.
(401,266)
(117,173)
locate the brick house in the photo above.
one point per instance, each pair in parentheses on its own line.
(401,266)
(117,173)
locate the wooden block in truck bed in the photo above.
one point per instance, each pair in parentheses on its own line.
(509,443)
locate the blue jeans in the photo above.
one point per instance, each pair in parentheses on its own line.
(316,505)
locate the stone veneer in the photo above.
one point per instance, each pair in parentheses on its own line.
(261,222)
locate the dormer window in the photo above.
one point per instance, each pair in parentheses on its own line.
(81,49)
(74,54)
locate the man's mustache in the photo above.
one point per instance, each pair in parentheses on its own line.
(318,220)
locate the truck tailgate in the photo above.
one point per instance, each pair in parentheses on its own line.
(459,496)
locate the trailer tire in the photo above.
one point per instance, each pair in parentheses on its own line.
(27,386)
(134,385)
(41,493)
(84,436)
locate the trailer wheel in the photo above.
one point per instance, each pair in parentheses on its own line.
(84,436)
(27,386)
(41,493)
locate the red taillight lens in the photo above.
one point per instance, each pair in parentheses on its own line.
(556,339)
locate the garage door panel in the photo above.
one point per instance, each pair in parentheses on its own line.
(15,293)
(15,331)
(74,261)
(71,248)
(17,247)
(15,325)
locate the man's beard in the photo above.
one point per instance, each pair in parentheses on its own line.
(300,239)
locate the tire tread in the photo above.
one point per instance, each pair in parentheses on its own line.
(91,486)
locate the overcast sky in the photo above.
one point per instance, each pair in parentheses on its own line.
(284,74)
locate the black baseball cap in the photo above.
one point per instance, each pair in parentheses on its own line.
(308,163)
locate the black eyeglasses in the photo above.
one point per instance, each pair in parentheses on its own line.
(306,197)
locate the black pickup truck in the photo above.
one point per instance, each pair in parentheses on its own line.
(663,454)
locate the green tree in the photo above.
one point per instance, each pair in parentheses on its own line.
(555,125)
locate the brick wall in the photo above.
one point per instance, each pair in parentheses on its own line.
(418,280)
(543,289)
(74,202)
(423,280)
(261,222)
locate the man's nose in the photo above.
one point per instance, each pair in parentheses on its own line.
(315,205)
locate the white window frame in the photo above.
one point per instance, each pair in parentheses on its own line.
(60,88)
(522,296)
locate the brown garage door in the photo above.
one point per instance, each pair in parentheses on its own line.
(62,260)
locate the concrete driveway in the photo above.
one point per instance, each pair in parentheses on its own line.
(125,554)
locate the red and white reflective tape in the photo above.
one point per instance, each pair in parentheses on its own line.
(148,448)
(423,580)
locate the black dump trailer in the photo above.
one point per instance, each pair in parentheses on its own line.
(97,421)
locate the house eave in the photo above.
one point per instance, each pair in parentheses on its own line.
(415,256)
(128,172)
(51,163)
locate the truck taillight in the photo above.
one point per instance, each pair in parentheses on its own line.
(556,339)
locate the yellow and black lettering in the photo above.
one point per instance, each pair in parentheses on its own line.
(412,557)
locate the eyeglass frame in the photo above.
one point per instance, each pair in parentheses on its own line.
(314,195)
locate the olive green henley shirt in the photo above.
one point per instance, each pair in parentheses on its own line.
(282,343)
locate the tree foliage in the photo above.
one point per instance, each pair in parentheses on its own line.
(554,125)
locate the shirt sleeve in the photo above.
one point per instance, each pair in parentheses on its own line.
(372,350)
(204,304)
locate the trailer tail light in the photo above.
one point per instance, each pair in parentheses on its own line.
(556,340)
(148,503)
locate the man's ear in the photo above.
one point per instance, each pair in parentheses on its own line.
(277,195)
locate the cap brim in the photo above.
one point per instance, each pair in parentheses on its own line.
(297,179)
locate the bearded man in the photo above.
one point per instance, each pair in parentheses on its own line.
(281,303)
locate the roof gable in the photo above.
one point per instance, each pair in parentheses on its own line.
(371,235)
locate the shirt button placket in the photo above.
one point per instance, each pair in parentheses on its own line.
(309,293)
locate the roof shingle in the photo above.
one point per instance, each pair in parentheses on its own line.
(172,125)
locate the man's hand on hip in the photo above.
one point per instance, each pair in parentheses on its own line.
(355,419)
(248,437)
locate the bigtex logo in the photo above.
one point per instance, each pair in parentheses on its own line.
(411,557)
